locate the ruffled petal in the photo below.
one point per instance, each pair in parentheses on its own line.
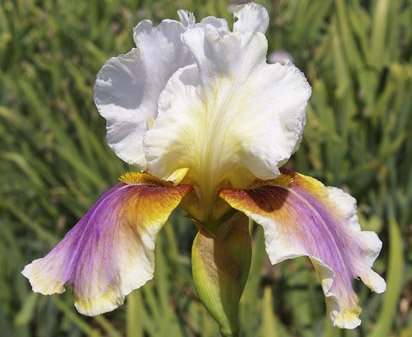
(109,253)
(186,18)
(300,216)
(218,23)
(231,110)
(127,87)
(251,17)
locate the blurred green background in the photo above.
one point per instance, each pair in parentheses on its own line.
(55,162)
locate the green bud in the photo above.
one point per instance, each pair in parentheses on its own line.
(220,266)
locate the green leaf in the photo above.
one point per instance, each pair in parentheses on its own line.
(378,48)
(268,321)
(394,282)
(26,312)
(133,315)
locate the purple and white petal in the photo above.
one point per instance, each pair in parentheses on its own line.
(300,216)
(110,252)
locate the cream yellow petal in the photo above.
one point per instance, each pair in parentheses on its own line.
(231,111)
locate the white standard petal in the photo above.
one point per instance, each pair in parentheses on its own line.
(232,110)
(127,87)
(251,17)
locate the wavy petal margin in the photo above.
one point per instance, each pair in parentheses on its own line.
(128,86)
(251,17)
(302,217)
(231,111)
(110,252)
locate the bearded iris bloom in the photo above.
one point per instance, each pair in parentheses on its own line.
(209,123)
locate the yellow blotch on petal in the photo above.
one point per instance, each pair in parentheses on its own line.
(41,281)
(348,319)
(137,178)
(107,301)
(177,176)
(309,184)
(284,180)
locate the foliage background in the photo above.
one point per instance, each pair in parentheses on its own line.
(54,162)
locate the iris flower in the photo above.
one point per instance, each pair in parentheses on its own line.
(209,123)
